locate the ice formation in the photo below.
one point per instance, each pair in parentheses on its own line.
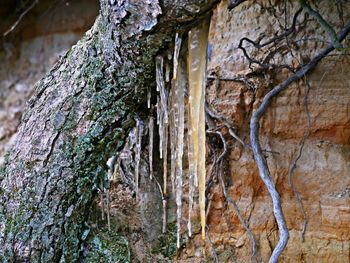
(150,145)
(197,60)
(139,132)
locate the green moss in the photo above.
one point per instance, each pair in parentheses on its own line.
(166,244)
(106,246)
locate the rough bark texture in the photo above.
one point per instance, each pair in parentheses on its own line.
(31,50)
(79,113)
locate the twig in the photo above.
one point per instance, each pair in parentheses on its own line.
(214,115)
(258,154)
(20,18)
(218,117)
(230,200)
(238,78)
(215,255)
(274,40)
(294,162)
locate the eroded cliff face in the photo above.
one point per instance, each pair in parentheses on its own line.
(322,174)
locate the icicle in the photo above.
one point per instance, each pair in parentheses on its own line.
(180,84)
(161,86)
(173,135)
(111,164)
(191,172)
(178,41)
(179,207)
(150,146)
(160,123)
(162,111)
(148,99)
(158,110)
(173,114)
(139,132)
(167,72)
(176,106)
(197,52)
(165,159)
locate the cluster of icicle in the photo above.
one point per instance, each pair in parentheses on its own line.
(171,111)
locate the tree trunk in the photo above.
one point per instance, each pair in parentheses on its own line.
(80,113)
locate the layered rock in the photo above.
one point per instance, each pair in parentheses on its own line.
(322,174)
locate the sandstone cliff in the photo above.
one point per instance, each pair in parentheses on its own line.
(322,173)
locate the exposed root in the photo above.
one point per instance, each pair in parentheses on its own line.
(213,251)
(294,162)
(258,153)
(241,79)
(216,116)
(324,24)
(231,201)
(218,164)
(274,40)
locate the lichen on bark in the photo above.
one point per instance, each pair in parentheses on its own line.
(80,113)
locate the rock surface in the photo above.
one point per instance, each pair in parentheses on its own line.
(322,174)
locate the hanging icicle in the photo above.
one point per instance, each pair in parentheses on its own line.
(161,86)
(197,60)
(139,132)
(162,116)
(177,49)
(167,71)
(150,145)
(191,173)
(179,85)
(149,99)
(180,90)
(158,110)
(173,111)
(165,159)
(173,135)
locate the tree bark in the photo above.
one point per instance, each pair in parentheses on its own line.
(79,114)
